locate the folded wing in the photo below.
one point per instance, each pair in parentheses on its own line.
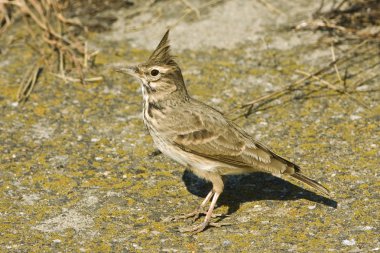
(217,139)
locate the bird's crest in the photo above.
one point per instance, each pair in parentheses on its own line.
(161,54)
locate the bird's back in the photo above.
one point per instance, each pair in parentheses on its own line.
(205,139)
(201,130)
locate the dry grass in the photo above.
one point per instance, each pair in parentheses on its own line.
(352,22)
(335,76)
(58,41)
(347,19)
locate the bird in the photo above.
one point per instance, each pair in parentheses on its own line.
(199,136)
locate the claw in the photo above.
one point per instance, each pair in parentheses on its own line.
(218,225)
(194,229)
(194,215)
(201,227)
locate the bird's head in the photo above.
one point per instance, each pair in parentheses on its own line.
(160,76)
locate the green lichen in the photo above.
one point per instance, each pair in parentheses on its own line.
(105,173)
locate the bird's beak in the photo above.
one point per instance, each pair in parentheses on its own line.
(130,70)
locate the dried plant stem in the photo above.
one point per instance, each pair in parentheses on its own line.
(187,11)
(335,65)
(317,75)
(46,23)
(29,81)
(193,8)
(271,7)
(77,80)
(333,87)
(348,19)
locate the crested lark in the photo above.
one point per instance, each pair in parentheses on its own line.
(198,136)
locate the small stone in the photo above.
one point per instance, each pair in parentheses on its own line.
(365,228)
(57,241)
(355,117)
(363,88)
(243,219)
(144,231)
(94,139)
(136,246)
(169,250)
(216,100)
(226,243)
(30,199)
(349,242)
(312,207)
(154,232)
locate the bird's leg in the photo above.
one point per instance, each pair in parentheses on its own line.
(206,222)
(196,212)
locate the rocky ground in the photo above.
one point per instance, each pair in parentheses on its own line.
(75,170)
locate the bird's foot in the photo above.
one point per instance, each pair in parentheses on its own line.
(194,215)
(201,227)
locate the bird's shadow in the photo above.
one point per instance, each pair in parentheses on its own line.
(253,187)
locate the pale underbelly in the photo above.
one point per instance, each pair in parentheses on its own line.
(197,162)
(186,158)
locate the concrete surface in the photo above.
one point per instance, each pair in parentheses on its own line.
(75,172)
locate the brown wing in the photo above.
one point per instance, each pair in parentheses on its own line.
(211,136)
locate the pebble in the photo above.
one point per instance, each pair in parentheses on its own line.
(355,117)
(226,243)
(350,242)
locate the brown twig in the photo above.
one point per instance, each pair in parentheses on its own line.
(316,75)
(77,80)
(187,11)
(52,30)
(335,65)
(363,81)
(333,87)
(193,8)
(28,83)
(354,19)
(271,7)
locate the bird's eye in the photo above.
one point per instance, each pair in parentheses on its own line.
(154,72)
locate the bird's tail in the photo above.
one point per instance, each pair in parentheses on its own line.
(292,170)
(314,184)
